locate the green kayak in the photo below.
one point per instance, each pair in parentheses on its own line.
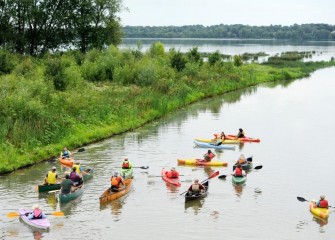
(64,198)
(126,173)
(239,180)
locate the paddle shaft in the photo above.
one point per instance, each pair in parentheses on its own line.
(212,176)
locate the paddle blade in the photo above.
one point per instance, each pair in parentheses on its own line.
(301,199)
(13,214)
(222,177)
(58,214)
(144,167)
(81,150)
(258,167)
(213,175)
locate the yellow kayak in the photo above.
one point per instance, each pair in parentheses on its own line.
(201,162)
(320,212)
(207,140)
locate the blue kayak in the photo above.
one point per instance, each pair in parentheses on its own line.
(212,145)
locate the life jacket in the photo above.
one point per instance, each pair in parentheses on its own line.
(241,161)
(172,174)
(74,177)
(66,154)
(211,156)
(115,181)
(126,165)
(77,166)
(238,172)
(37,214)
(195,187)
(323,203)
(51,179)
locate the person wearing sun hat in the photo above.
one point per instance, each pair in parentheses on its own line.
(51,177)
(36,213)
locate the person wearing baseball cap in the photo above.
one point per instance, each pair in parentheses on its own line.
(51,177)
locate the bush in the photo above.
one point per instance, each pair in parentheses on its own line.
(238,60)
(214,58)
(178,61)
(157,49)
(55,71)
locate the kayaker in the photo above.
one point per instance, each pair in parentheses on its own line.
(75,177)
(66,185)
(238,171)
(116,182)
(240,133)
(36,213)
(172,173)
(51,177)
(65,153)
(195,188)
(322,203)
(241,160)
(126,164)
(79,168)
(222,136)
(209,155)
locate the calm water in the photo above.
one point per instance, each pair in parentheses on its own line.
(323,50)
(295,122)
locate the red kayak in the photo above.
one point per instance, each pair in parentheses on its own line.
(173,181)
(244,139)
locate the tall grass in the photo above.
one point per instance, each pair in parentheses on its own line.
(75,99)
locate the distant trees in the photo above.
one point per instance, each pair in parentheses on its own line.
(35,26)
(294,32)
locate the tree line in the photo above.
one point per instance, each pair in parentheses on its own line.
(314,32)
(36,26)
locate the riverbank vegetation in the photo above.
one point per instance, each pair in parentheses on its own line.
(74,98)
(303,32)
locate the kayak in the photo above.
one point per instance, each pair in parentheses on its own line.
(244,139)
(88,174)
(239,180)
(320,212)
(173,181)
(227,141)
(51,187)
(48,187)
(201,162)
(37,223)
(211,145)
(246,166)
(189,197)
(126,173)
(66,161)
(64,198)
(108,195)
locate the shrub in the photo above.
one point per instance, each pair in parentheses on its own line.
(238,60)
(214,58)
(178,61)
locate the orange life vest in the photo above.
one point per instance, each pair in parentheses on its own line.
(115,181)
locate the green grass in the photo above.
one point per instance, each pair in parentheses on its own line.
(53,101)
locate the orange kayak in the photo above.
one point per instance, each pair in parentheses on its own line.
(108,196)
(66,161)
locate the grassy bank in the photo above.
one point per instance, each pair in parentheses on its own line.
(73,99)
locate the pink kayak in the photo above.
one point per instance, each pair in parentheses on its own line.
(37,223)
(173,181)
(244,139)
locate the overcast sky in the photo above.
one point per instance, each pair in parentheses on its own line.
(214,12)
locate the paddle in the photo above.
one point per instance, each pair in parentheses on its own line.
(161,175)
(256,168)
(301,199)
(16,214)
(142,167)
(213,175)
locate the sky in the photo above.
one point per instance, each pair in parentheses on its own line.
(215,12)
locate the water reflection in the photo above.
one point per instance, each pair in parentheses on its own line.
(322,222)
(238,189)
(50,198)
(195,205)
(70,207)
